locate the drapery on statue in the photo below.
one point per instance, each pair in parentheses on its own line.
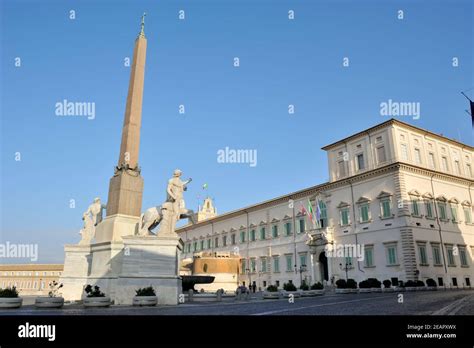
(172,210)
(92,216)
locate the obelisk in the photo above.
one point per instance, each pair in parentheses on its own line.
(124,202)
(126,186)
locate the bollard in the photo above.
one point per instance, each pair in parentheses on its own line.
(239,295)
(219,296)
(190,295)
(247,295)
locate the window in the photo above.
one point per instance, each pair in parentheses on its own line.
(232,239)
(442,211)
(422,253)
(467,215)
(252,235)
(369,256)
(414,207)
(468,170)
(429,209)
(436,254)
(188,247)
(224,240)
(216,242)
(345,217)
(253,265)
(385,208)
(303,260)
(275,231)
(404,152)
(263,264)
(455,281)
(360,161)
(454,211)
(341,169)
(457,168)
(262,233)
(195,246)
(244,266)
(364,212)
(417,156)
(289,263)
(242,236)
(444,162)
(450,252)
(381,154)
(391,255)
(209,244)
(201,247)
(301,225)
(323,219)
(276,264)
(431,160)
(287,229)
(463,256)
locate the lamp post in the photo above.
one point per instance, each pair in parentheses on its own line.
(346,267)
(301,270)
(250,278)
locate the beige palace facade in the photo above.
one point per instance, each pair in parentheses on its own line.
(30,279)
(402,194)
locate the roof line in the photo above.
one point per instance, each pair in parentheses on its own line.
(399,123)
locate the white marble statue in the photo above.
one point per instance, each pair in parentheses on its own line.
(92,216)
(167,214)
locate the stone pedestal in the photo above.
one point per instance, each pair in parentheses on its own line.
(77,264)
(114,227)
(150,261)
(125,192)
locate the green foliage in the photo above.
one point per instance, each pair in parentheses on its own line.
(420,283)
(289,287)
(431,282)
(410,284)
(374,283)
(54,287)
(9,292)
(351,284)
(317,286)
(149,291)
(341,284)
(364,284)
(93,291)
(272,288)
(387,283)
(304,286)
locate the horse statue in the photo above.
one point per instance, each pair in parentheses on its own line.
(167,214)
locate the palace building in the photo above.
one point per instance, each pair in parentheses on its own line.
(400,194)
(30,279)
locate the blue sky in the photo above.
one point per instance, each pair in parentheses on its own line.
(190,62)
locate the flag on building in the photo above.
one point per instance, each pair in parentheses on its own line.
(318,212)
(310,211)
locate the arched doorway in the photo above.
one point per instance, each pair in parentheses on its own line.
(323,261)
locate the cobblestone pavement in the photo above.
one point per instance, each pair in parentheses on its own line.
(456,302)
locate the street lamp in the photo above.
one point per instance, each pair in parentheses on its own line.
(301,270)
(250,279)
(346,267)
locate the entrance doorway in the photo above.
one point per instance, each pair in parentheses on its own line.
(323,260)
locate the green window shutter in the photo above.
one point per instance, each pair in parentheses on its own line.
(386,209)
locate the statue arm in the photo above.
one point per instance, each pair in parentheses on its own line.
(170,192)
(185,184)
